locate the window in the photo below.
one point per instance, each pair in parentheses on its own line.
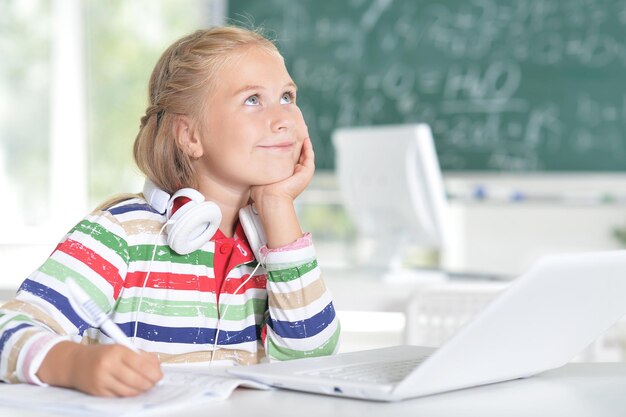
(25,28)
(73,82)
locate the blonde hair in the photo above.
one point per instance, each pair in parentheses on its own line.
(182,77)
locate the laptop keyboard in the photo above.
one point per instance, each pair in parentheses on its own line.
(377,372)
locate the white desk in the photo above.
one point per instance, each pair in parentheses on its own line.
(576,390)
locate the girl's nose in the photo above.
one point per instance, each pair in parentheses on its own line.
(281,118)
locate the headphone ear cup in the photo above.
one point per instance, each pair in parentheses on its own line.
(253,229)
(193,225)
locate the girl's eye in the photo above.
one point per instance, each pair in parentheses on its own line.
(252,100)
(287,98)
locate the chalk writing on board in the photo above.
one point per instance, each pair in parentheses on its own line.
(505,85)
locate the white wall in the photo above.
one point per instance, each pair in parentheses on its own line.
(561,213)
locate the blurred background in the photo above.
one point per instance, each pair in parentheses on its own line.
(73,85)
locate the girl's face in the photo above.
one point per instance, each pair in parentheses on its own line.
(253,129)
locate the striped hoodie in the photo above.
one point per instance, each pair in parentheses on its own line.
(168,303)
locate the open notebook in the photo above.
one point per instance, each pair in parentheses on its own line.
(181,386)
(540,322)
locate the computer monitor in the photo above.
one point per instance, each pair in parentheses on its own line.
(392,187)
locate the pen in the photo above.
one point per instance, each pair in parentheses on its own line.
(92,314)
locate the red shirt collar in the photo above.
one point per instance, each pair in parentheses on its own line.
(239,237)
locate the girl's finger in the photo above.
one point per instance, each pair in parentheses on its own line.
(129,382)
(307,156)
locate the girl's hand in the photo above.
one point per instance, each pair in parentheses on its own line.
(274,202)
(292,186)
(102,370)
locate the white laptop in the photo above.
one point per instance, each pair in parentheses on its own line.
(540,322)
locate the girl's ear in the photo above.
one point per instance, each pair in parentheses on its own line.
(186,136)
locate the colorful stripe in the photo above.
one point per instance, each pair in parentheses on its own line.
(57,270)
(304,328)
(284,311)
(284,353)
(189,335)
(291,273)
(94,261)
(105,237)
(190,282)
(59,301)
(190,308)
(6,335)
(166,254)
(126,208)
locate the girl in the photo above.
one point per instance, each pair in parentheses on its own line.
(222,121)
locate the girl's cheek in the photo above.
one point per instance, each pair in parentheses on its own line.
(298,114)
(302,129)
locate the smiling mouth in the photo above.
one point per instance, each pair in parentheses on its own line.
(286,146)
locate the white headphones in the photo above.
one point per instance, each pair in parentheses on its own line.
(195,222)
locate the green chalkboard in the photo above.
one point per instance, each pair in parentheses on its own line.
(506,85)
